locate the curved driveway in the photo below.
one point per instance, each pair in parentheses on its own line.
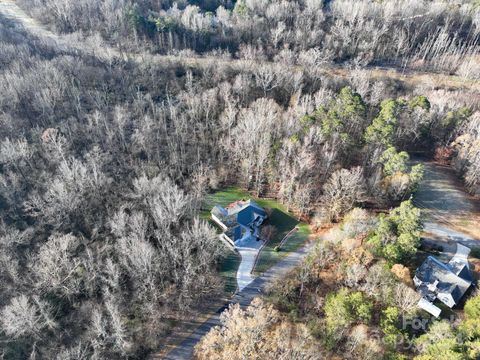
(439,194)
(185,349)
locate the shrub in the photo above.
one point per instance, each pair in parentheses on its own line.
(475,252)
(397,236)
(343,308)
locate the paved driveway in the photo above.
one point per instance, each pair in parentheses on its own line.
(184,351)
(441,194)
(248,250)
(443,202)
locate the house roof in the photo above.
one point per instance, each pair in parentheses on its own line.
(459,263)
(240,214)
(429,307)
(219,211)
(250,213)
(465,274)
(234,233)
(238,206)
(443,278)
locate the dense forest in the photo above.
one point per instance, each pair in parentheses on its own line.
(114,129)
(347,301)
(435,35)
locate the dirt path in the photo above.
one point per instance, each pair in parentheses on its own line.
(444,202)
(12,12)
(18,19)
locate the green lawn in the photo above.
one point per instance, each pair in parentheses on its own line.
(228,267)
(229,264)
(268,256)
(278,217)
(222,198)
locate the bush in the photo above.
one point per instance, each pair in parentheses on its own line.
(475,252)
(358,222)
(397,236)
(343,308)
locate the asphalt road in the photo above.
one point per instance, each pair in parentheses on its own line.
(185,349)
(439,194)
(443,201)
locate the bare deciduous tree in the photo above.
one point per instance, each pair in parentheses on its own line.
(344,189)
(26,317)
(56,267)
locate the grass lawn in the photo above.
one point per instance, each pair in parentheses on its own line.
(268,256)
(278,217)
(229,264)
(228,267)
(222,198)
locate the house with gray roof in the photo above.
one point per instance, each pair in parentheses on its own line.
(239,220)
(447,282)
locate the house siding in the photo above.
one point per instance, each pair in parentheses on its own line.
(219,222)
(229,241)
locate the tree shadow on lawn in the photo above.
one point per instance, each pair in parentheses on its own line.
(278,217)
(227,268)
(284,223)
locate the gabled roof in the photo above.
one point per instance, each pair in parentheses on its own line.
(459,263)
(234,233)
(438,277)
(219,211)
(465,274)
(242,212)
(238,206)
(249,214)
(240,217)
(429,307)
